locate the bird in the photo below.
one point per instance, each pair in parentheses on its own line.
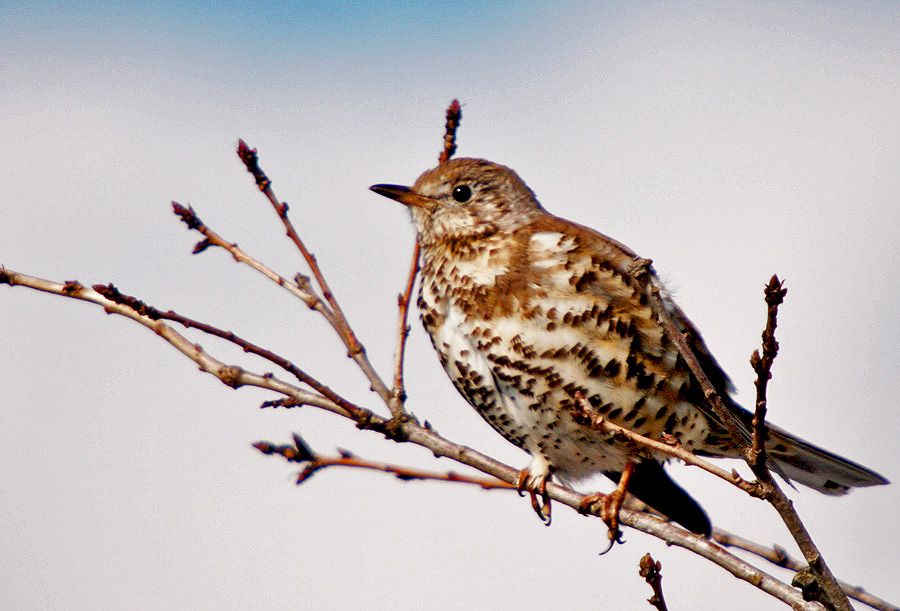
(533,316)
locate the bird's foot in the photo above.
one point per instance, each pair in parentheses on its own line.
(536,486)
(610,505)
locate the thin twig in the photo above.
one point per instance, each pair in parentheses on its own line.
(651,571)
(587,415)
(113,294)
(300,452)
(301,290)
(398,392)
(771,490)
(778,556)
(232,376)
(677,336)
(828,589)
(454,116)
(355,349)
(762,365)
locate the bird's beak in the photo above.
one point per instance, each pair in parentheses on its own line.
(405,196)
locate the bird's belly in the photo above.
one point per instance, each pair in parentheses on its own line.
(526,382)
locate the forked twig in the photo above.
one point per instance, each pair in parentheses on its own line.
(772,492)
(778,556)
(113,294)
(355,349)
(300,452)
(762,365)
(210,238)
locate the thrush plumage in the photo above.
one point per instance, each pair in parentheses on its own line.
(530,314)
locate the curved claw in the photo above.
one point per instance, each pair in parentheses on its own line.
(610,505)
(612,541)
(541,506)
(609,513)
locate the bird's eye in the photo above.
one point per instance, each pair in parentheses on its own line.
(462,193)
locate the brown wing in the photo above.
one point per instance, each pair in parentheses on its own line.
(639,277)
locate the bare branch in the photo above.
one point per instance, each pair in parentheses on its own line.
(771,491)
(398,392)
(300,453)
(454,116)
(300,290)
(651,571)
(236,377)
(663,312)
(778,556)
(584,413)
(355,349)
(775,293)
(113,294)
(402,428)
(828,589)
(230,375)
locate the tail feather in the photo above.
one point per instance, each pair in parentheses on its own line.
(651,484)
(810,465)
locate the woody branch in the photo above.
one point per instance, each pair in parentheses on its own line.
(769,489)
(237,377)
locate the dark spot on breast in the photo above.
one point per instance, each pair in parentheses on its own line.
(553,379)
(671,421)
(612,368)
(581,283)
(645,381)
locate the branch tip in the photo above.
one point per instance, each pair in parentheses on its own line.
(250,159)
(454,116)
(188,216)
(651,571)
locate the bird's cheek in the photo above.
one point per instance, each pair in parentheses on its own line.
(421,218)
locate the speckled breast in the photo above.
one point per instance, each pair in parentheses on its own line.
(522,336)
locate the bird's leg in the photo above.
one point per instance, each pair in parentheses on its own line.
(610,503)
(533,480)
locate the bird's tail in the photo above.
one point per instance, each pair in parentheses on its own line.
(810,465)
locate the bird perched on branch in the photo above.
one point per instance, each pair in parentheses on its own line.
(538,320)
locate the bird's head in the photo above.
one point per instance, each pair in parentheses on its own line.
(465,199)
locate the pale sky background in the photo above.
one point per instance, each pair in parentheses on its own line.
(726,141)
